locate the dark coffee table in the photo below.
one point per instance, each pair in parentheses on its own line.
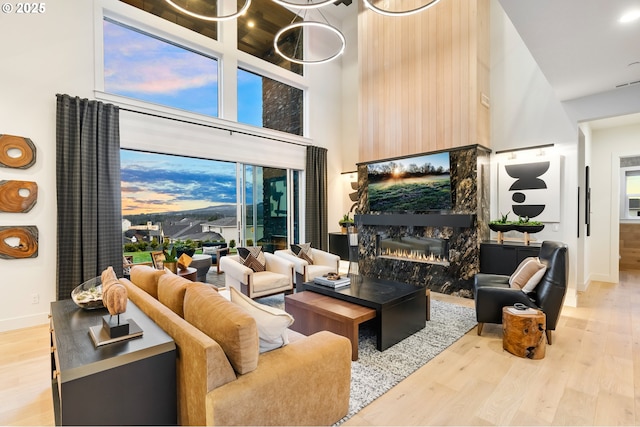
(401,308)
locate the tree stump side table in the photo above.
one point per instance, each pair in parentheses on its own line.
(524,332)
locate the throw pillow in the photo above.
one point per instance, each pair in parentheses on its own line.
(303,251)
(146,278)
(272,322)
(209,250)
(253,257)
(528,274)
(171,291)
(229,325)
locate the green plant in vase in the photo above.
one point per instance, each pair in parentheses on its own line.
(503,224)
(346,222)
(525,225)
(171,259)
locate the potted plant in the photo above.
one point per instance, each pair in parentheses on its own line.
(524,225)
(502,224)
(170,259)
(345,222)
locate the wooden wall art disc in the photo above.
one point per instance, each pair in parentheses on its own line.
(19,242)
(10,144)
(11,199)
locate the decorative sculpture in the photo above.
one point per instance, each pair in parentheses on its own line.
(19,242)
(18,196)
(12,143)
(114,297)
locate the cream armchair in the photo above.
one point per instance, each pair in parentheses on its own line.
(276,279)
(323,263)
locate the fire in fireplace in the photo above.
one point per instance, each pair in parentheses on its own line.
(428,250)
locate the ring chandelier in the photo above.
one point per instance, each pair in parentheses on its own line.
(385,12)
(303,6)
(212,18)
(310,24)
(303,24)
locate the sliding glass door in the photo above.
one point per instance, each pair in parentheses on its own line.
(169,199)
(266,207)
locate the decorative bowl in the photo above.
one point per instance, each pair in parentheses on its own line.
(502,227)
(88,295)
(529,228)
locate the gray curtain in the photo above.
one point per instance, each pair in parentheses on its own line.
(316,229)
(88,191)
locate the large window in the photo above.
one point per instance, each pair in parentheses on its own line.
(147,68)
(161,184)
(176,199)
(269,103)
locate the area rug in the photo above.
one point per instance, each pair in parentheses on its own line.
(375,372)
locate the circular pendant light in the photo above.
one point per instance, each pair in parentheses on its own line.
(310,24)
(385,12)
(303,5)
(212,18)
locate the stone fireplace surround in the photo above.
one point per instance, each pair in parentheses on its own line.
(462,228)
(449,277)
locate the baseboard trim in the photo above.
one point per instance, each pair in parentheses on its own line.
(23,322)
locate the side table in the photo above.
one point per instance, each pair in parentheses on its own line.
(124,383)
(189,273)
(524,332)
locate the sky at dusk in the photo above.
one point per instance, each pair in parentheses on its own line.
(146,68)
(143,67)
(154,183)
(438,159)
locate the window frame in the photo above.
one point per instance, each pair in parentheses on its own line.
(228,57)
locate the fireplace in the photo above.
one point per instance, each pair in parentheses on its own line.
(429,250)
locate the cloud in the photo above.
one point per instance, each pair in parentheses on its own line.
(162,183)
(137,63)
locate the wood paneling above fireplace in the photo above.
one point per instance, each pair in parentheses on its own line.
(422,79)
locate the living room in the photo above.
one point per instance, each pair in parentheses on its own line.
(57,52)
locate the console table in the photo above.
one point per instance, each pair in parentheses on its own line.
(504,258)
(130,382)
(338,245)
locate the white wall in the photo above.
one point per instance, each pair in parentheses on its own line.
(42,55)
(55,52)
(525,112)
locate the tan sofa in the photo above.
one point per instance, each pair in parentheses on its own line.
(221,377)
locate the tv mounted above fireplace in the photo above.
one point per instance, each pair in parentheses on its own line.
(411,184)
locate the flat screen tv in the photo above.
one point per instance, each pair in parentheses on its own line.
(412,184)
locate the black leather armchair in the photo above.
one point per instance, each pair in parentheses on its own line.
(492,291)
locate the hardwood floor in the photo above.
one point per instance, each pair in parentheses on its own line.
(589,376)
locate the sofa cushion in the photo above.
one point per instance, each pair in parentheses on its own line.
(146,278)
(171,290)
(228,324)
(253,257)
(268,281)
(303,251)
(272,322)
(528,274)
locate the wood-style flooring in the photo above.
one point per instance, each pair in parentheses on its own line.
(589,376)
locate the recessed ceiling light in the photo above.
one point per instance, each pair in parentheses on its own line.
(251,23)
(631,16)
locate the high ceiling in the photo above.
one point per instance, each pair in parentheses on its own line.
(579,45)
(582,48)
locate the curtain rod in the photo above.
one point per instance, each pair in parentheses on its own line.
(231,131)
